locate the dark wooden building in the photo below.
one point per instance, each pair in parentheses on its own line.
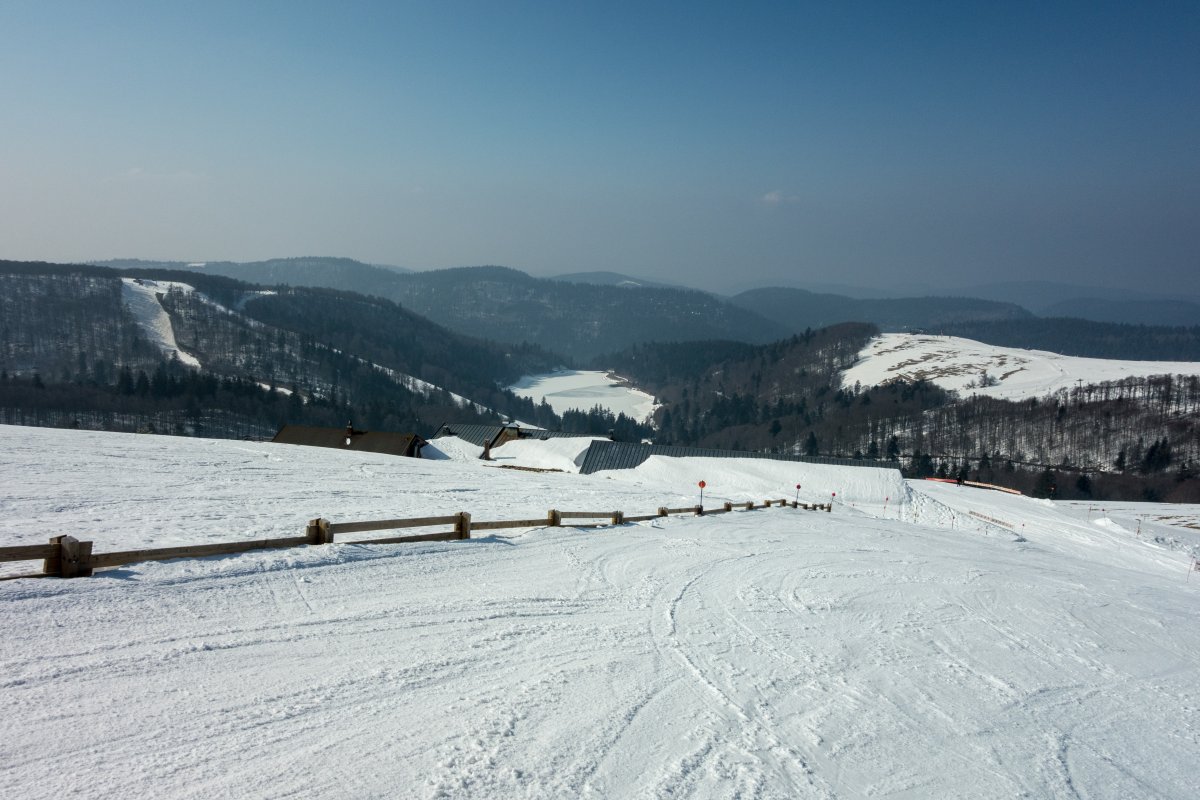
(350,438)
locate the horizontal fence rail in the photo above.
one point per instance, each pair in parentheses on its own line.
(389,524)
(27,552)
(67,557)
(122,557)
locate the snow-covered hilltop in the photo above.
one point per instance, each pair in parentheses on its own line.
(971,367)
(920,640)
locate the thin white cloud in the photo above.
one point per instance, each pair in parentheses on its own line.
(777,197)
(143,175)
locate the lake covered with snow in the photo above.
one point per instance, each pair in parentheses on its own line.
(585,389)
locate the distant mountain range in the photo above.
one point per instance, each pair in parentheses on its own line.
(576,319)
(1096,303)
(75,351)
(615,279)
(581,315)
(343,353)
(799,309)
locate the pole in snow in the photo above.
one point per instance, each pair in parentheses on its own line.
(797,494)
(702,485)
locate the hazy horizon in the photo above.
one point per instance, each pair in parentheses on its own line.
(874,146)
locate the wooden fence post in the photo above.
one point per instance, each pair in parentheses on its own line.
(662,511)
(73,560)
(553,518)
(729,506)
(618,518)
(699,511)
(326,531)
(53,564)
(463,526)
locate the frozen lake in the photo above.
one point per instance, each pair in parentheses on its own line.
(584,389)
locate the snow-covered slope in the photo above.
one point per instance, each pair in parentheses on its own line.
(958,364)
(140,298)
(771,653)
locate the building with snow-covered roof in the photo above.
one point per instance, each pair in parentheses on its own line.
(628,455)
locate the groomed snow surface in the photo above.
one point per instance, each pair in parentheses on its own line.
(957,364)
(952,642)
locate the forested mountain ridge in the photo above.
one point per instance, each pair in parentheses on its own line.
(71,353)
(992,322)
(334,355)
(603,278)
(581,320)
(578,320)
(1084,338)
(1148,305)
(799,309)
(1136,438)
(583,314)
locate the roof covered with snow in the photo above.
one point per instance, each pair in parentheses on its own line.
(627,455)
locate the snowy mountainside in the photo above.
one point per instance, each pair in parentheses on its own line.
(960,364)
(957,643)
(92,347)
(141,297)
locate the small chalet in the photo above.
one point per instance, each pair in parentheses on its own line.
(350,438)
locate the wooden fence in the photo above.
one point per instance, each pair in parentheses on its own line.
(67,557)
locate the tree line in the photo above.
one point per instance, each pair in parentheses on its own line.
(1133,438)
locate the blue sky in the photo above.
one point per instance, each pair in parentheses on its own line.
(933,144)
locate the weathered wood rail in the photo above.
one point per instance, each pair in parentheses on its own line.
(68,557)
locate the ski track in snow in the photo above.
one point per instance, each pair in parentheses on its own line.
(767,654)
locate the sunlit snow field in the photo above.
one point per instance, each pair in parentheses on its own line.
(922,640)
(957,364)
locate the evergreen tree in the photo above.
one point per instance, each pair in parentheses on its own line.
(1045,485)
